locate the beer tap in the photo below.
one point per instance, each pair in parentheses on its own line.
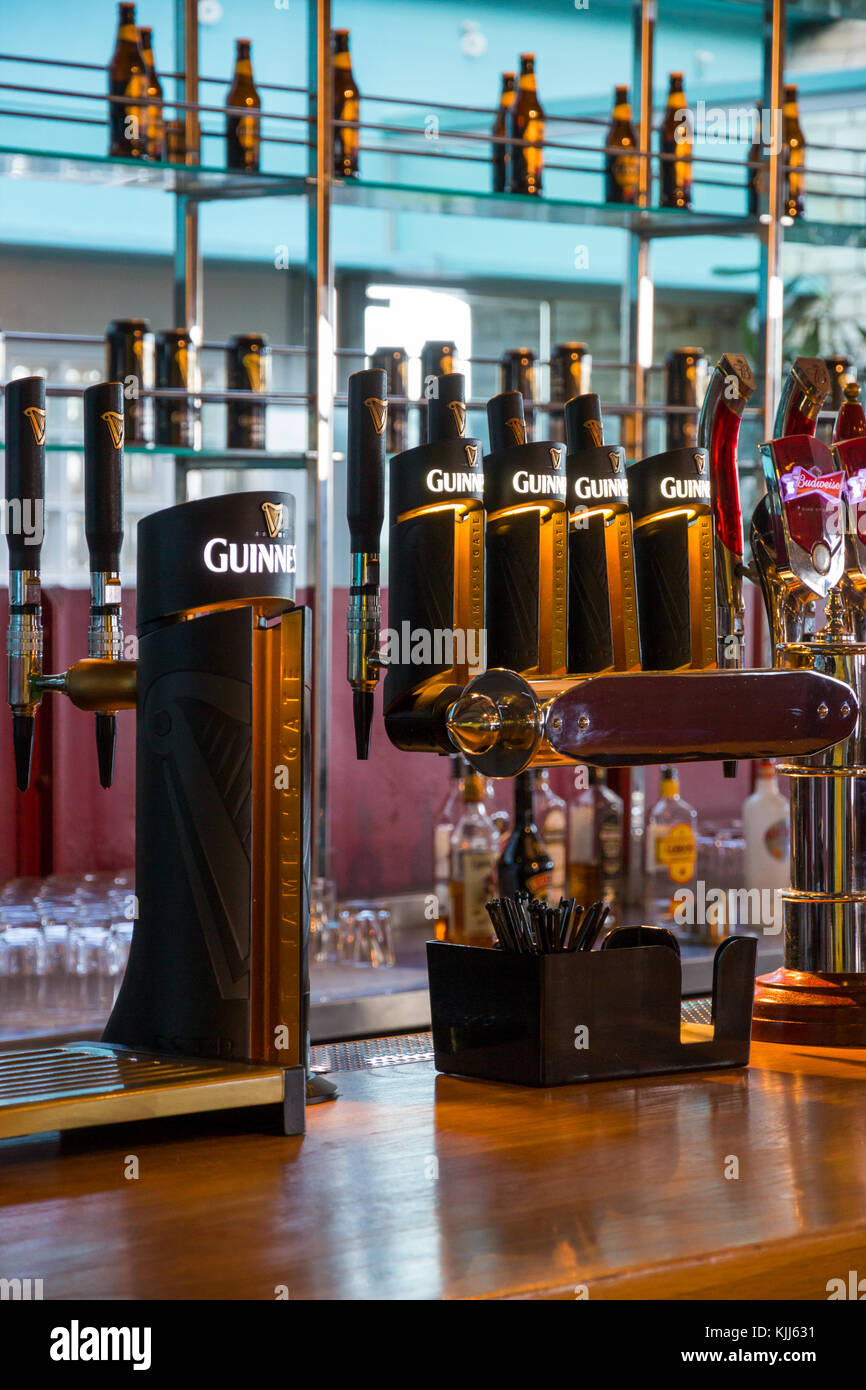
(25,501)
(806,388)
(849,451)
(103,525)
(365,457)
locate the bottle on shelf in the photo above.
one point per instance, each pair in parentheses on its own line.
(671,848)
(767,833)
(675,139)
(474,849)
(621,164)
(793,156)
(595,840)
(685,385)
(154,124)
(570,375)
(243,132)
(501,154)
(525,865)
(517,373)
(551,817)
(127,79)
(177,420)
(394,361)
(347,107)
(247,364)
(756,183)
(527,124)
(851,421)
(443,829)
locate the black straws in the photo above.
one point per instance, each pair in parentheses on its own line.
(527,926)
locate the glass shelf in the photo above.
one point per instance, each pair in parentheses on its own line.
(205,457)
(198,181)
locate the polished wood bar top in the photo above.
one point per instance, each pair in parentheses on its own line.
(419,1186)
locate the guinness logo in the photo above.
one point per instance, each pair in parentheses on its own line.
(458,410)
(378,411)
(518,429)
(555,456)
(114,421)
(700,461)
(273,514)
(614,460)
(37,422)
(593,429)
(254,365)
(471,451)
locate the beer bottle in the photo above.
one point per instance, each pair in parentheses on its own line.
(621,162)
(676,147)
(154,125)
(527,123)
(243,134)
(501,151)
(347,107)
(793,156)
(757,181)
(126,78)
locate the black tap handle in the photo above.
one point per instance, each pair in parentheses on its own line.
(506,421)
(365,485)
(103,475)
(25,471)
(446,411)
(583,425)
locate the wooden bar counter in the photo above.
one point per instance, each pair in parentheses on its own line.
(419,1186)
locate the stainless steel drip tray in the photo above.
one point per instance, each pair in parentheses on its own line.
(93,1083)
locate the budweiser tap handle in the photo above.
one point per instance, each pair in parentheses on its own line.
(806,388)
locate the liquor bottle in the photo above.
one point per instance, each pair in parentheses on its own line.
(621,166)
(793,156)
(595,840)
(766,830)
(474,848)
(851,421)
(527,123)
(127,78)
(671,848)
(501,151)
(443,829)
(756,184)
(347,107)
(517,373)
(243,133)
(676,148)
(525,865)
(551,818)
(154,125)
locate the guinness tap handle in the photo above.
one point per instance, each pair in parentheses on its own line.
(365,500)
(506,421)
(25,470)
(583,426)
(103,528)
(446,411)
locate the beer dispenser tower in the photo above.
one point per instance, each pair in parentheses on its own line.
(213,1010)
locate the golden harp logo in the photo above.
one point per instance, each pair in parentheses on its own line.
(555,457)
(593,428)
(273,514)
(378,411)
(458,410)
(700,461)
(114,421)
(37,422)
(614,460)
(471,451)
(254,367)
(517,429)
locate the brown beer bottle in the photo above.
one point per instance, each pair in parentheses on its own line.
(793,156)
(621,161)
(154,125)
(501,151)
(676,143)
(126,78)
(757,181)
(347,107)
(527,123)
(243,133)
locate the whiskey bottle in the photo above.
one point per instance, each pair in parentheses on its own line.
(525,865)
(527,124)
(501,151)
(474,845)
(675,138)
(127,79)
(347,107)
(243,132)
(621,165)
